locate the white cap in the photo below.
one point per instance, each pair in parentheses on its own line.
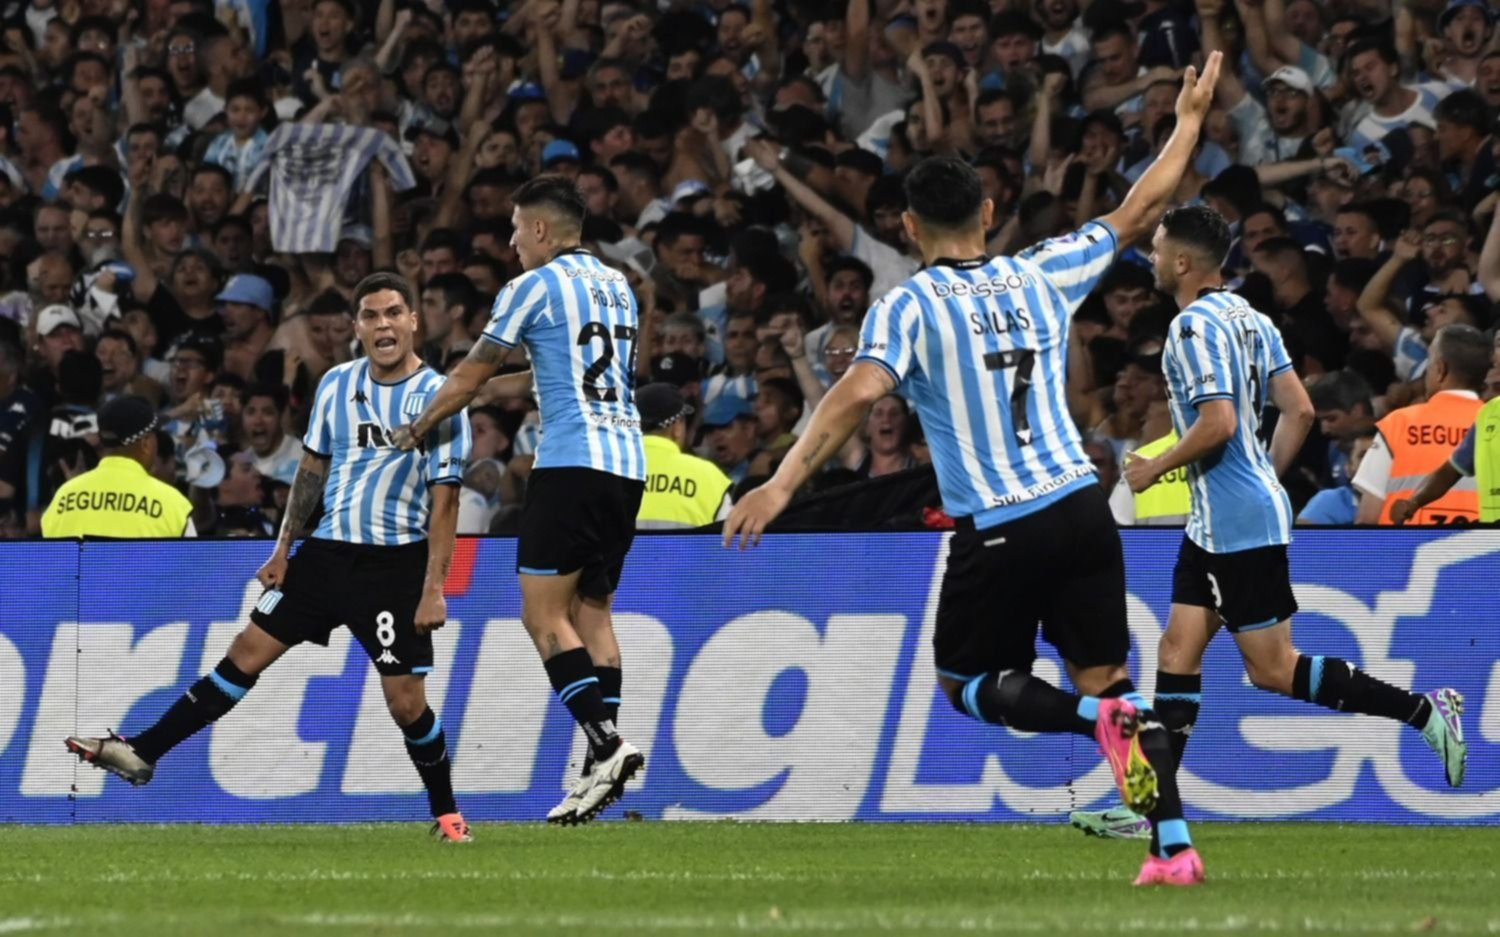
(54,317)
(1291,76)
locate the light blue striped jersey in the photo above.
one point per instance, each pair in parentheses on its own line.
(375,493)
(980,347)
(1221,348)
(578,319)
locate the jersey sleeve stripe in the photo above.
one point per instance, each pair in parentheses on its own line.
(874,360)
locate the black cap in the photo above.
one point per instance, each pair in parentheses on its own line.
(661,405)
(124,420)
(676,368)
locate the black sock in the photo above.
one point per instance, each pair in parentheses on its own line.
(1177,698)
(1019,700)
(428,748)
(577,685)
(610,681)
(1169,831)
(1340,685)
(205,701)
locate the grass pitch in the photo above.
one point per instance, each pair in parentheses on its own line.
(723,878)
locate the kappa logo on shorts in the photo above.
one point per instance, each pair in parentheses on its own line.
(268,601)
(414,404)
(386,657)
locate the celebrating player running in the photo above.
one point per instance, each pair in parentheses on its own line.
(980,344)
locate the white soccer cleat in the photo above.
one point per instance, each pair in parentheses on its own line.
(114,755)
(566,813)
(606,783)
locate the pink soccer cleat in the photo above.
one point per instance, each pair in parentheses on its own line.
(1117,731)
(1182,870)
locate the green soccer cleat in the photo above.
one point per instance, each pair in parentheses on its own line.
(1444,732)
(1114,823)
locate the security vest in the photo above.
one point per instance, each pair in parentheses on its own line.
(1487,461)
(118,498)
(1421,438)
(1169,500)
(682,490)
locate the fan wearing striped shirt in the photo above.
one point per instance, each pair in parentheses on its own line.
(577,318)
(376,562)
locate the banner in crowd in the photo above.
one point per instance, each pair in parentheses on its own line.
(792,682)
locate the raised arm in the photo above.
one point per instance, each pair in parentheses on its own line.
(1257,43)
(857,39)
(1489,260)
(1283,43)
(1231,90)
(1371,302)
(1148,198)
(839,224)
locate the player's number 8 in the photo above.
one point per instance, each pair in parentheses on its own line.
(385,629)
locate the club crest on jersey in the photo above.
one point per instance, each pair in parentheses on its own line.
(414,404)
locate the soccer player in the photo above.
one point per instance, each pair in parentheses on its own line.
(376,561)
(577,318)
(980,345)
(1224,362)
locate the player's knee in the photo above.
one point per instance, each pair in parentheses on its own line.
(1273,673)
(406,704)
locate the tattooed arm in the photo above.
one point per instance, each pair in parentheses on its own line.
(836,418)
(307,492)
(483,360)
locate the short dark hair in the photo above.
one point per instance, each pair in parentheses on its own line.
(251,88)
(1111,30)
(1465,351)
(1466,108)
(605,176)
(1342,390)
(457,290)
(213,169)
(328,303)
(101,180)
(385,280)
(1201,228)
(1379,46)
(1266,208)
(944,191)
(279,394)
(848,262)
(120,335)
(1354,273)
(554,191)
(442,239)
(162,207)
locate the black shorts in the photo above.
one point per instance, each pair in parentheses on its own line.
(1060,568)
(373,590)
(1249,589)
(578,520)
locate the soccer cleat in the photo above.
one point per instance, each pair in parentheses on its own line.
(1182,870)
(1444,732)
(451,828)
(566,813)
(1117,730)
(1114,823)
(114,755)
(606,783)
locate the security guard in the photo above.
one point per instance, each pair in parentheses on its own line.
(682,490)
(1475,464)
(1415,441)
(120,498)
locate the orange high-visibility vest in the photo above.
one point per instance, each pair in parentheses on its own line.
(1421,438)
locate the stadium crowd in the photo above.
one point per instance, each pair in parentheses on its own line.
(190,190)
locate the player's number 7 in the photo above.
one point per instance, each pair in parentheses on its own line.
(1022,360)
(590,383)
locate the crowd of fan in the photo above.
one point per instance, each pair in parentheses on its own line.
(190,189)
